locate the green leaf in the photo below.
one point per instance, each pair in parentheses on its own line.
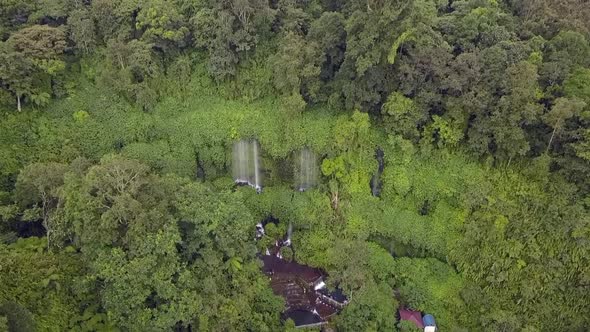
(405,36)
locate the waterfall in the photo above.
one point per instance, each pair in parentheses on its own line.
(256,168)
(289,232)
(246,164)
(240,162)
(307,170)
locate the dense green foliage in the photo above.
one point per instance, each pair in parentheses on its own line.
(117,118)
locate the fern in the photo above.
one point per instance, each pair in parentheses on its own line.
(406,36)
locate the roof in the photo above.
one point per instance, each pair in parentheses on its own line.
(303,317)
(428,320)
(412,316)
(276,266)
(296,283)
(339,296)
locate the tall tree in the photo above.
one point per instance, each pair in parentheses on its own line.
(82,30)
(163,25)
(229,30)
(14,14)
(32,56)
(16,74)
(37,188)
(563,110)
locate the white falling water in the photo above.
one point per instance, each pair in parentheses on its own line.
(257,184)
(289,233)
(306,170)
(246,164)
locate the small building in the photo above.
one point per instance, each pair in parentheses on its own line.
(308,302)
(429,323)
(304,318)
(411,316)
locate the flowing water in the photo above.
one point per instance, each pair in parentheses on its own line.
(246,164)
(306,170)
(289,233)
(256,168)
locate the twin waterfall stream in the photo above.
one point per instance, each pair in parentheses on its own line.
(247,166)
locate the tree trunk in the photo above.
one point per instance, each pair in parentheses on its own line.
(551,139)
(121,62)
(18,107)
(45,212)
(335,200)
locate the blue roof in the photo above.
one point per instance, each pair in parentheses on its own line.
(428,320)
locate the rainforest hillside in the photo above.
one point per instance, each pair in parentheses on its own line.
(450,142)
